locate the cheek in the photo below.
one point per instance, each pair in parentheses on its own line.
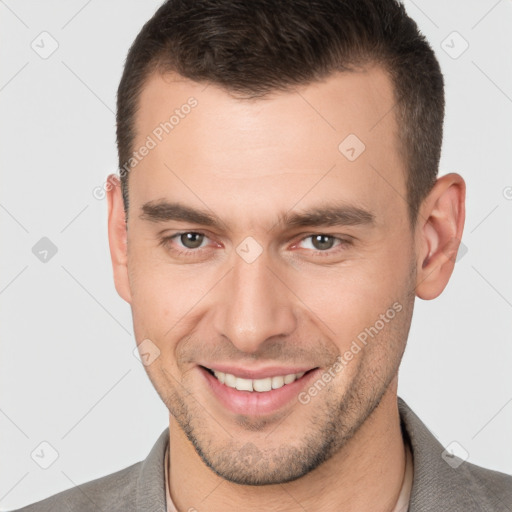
(154,292)
(346,300)
(166,298)
(157,305)
(340,300)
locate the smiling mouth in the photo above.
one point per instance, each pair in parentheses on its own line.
(256,385)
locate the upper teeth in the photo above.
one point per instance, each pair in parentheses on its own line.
(260,385)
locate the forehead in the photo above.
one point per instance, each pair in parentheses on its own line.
(335,140)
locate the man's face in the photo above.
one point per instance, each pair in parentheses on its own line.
(249,293)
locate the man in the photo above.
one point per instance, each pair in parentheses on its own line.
(277,214)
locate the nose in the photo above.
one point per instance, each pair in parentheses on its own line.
(253,305)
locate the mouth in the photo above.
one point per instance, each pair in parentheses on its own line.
(242,393)
(262,385)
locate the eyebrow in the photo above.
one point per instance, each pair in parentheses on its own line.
(327,215)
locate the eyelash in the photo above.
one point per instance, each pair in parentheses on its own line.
(343,243)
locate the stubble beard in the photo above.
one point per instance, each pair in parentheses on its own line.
(333,419)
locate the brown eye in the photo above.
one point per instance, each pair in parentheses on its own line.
(191,240)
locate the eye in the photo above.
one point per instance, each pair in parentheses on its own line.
(321,242)
(185,243)
(192,243)
(190,240)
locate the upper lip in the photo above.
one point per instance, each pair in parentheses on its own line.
(262,373)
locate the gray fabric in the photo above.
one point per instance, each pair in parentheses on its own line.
(140,487)
(437,486)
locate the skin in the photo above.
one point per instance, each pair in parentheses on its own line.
(247,162)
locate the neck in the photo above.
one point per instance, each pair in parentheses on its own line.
(366,474)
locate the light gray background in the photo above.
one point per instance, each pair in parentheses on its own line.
(67,369)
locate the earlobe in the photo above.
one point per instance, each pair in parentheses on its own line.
(117,237)
(438,234)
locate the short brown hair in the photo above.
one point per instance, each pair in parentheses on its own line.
(252,47)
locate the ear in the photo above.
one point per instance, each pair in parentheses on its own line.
(117,237)
(438,234)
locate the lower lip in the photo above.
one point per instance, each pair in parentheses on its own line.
(255,403)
